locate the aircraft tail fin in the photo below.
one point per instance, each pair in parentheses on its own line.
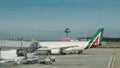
(96,39)
(32,40)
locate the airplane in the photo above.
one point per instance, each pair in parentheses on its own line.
(65,47)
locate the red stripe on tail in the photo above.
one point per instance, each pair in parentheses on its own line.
(95,43)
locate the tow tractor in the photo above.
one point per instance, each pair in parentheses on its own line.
(40,56)
(31,58)
(44,57)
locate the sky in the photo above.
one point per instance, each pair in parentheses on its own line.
(47,19)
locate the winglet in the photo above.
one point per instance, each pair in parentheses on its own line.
(96,39)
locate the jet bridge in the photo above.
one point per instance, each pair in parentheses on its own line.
(30,49)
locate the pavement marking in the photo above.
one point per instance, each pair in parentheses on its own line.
(111,61)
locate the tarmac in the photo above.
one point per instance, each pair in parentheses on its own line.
(117,59)
(91,58)
(107,56)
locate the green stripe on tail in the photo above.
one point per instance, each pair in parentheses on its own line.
(96,39)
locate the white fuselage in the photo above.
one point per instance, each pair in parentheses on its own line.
(55,45)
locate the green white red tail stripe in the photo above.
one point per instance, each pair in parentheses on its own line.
(96,39)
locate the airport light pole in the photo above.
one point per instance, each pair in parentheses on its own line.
(21,39)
